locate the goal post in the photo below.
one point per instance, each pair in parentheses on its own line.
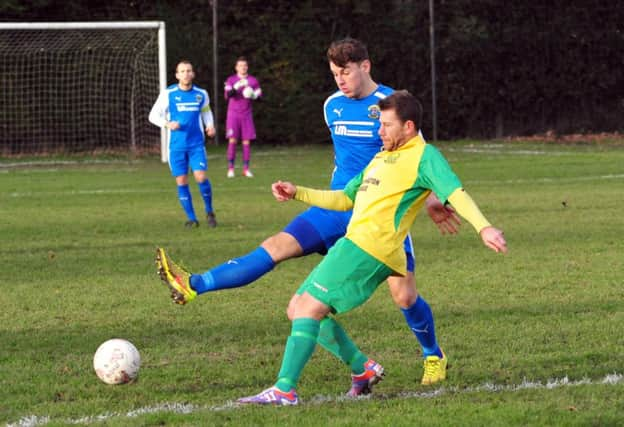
(76,87)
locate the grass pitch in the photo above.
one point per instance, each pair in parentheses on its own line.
(534,337)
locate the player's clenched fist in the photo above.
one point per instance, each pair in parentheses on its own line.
(283,191)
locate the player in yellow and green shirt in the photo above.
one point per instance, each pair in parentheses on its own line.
(352,117)
(385,197)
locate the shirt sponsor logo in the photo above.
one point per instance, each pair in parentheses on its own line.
(342,130)
(188,106)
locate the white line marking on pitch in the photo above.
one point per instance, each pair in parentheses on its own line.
(547,180)
(36,163)
(188,408)
(489,150)
(19,194)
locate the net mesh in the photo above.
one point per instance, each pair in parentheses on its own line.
(76,91)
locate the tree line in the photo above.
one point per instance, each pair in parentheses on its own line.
(502,68)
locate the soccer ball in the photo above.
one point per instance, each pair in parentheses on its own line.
(248,92)
(117,361)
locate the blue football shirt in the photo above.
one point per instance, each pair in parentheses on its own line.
(353,124)
(186,107)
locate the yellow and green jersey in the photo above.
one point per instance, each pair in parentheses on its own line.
(386,197)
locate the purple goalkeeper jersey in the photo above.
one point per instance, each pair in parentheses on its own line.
(237,103)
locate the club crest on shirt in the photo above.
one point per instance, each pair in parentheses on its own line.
(373,111)
(198,98)
(392,158)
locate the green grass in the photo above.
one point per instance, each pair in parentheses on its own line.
(77,252)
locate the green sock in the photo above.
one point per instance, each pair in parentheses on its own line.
(299,348)
(335,340)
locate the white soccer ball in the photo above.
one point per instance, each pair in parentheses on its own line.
(117,361)
(248,92)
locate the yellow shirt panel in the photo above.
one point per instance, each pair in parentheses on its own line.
(387,203)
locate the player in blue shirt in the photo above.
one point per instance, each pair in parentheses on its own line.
(353,123)
(184,109)
(352,116)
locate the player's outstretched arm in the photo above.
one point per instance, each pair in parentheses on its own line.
(327,199)
(283,191)
(442,215)
(492,237)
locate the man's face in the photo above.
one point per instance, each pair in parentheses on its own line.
(350,79)
(241,68)
(185,74)
(392,131)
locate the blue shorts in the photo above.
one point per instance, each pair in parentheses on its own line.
(318,229)
(195,157)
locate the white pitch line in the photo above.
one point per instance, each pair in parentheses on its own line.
(8,165)
(508,151)
(189,408)
(19,194)
(547,180)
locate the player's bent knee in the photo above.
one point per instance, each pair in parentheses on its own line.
(199,177)
(290,310)
(282,246)
(308,306)
(404,300)
(403,291)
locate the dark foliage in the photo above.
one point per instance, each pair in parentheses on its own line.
(503,68)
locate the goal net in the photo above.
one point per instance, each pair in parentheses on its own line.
(80,87)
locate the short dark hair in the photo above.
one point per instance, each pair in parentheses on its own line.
(346,50)
(241,59)
(406,106)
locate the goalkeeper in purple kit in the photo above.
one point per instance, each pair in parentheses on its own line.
(240,90)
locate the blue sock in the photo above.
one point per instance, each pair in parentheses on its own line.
(184,194)
(420,320)
(206,192)
(234,273)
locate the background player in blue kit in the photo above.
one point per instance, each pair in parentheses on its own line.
(352,116)
(184,109)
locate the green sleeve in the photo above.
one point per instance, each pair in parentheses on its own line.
(353,186)
(434,173)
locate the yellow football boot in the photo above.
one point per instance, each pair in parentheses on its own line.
(434,369)
(175,277)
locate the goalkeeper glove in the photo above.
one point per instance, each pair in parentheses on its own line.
(249,92)
(239,84)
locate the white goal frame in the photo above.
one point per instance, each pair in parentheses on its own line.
(113,25)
